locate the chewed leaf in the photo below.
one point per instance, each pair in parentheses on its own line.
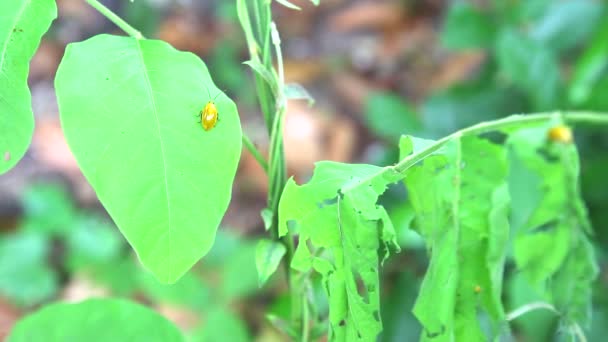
(460,200)
(342,232)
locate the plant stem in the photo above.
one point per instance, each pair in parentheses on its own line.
(256,154)
(115,19)
(397,171)
(502,124)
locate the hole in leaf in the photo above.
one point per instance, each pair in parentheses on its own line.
(544,228)
(362,288)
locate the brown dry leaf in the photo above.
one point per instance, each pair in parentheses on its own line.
(184,31)
(185,319)
(302,138)
(303,71)
(80,287)
(51,148)
(455,68)
(373,15)
(341,139)
(45,61)
(8,316)
(312,135)
(352,89)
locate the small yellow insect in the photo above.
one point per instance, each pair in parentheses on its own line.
(560,133)
(477,289)
(209,114)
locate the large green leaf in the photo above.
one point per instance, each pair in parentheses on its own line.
(95,320)
(128,112)
(343,235)
(460,198)
(22,24)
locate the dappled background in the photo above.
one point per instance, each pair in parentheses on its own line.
(377,69)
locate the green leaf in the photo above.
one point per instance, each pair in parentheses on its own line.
(268,255)
(266,74)
(48,209)
(189,291)
(590,67)
(93,242)
(461,203)
(536,325)
(466,27)
(295,91)
(390,116)
(567,24)
(25,277)
(343,235)
(22,24)
(91,320)
(551,248)
(239,274)
(531,67)
(130,121)
(221,325)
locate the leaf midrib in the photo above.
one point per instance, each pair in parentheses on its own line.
(162,146)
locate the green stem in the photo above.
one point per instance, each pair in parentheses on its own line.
(115,19)
(397,171)
(305,319)
(502,124)
(256,154)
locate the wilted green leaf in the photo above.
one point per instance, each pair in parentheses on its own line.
(130,121)
(551,248)
(461,202)
(467,27)
(343,235)
(268,256)
(95,320)
(22,24)
(537,325)
(25,277)
(531,67)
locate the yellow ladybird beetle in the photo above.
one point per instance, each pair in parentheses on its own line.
(560,133)
(209,114)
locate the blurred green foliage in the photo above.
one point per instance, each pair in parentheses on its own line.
(56,240)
